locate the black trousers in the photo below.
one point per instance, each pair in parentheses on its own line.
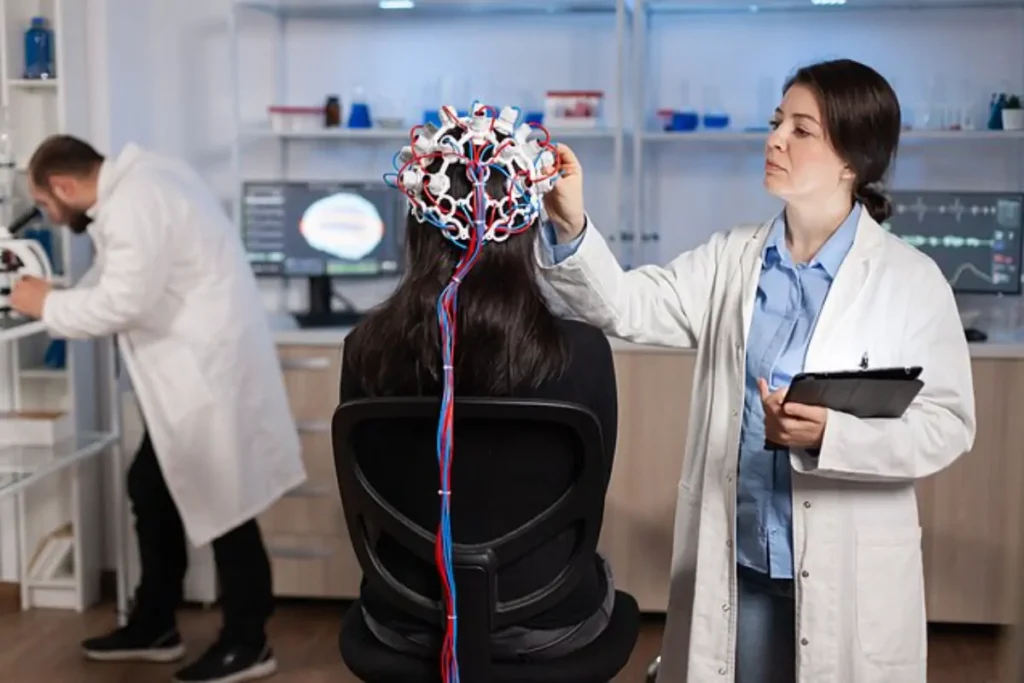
(243,567)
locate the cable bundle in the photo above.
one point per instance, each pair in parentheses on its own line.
(530,168)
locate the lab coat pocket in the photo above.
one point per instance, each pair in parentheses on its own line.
(890,596)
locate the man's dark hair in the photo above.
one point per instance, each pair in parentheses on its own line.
(62,155)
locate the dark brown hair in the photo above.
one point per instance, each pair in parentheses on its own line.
(507,337)
(62,155)
(862,120)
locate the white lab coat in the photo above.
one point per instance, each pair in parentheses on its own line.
(171,280)
(859,587)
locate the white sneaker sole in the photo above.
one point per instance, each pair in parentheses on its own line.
(261,670)
(163,654)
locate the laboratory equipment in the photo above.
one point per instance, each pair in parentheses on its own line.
(321,231)
(995,111)
(974,237)
(487,140)
(573,108)
(359,116)
(480,145)
(39,50)
(332,112)
(20,257)
(288,119)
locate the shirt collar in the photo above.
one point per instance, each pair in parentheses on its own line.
(831,254)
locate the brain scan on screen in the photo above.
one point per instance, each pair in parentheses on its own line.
(345,226)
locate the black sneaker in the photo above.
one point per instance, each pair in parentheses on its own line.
(132,643)
(225,663)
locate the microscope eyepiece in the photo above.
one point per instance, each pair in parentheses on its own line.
(24,219)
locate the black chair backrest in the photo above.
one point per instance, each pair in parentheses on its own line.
(479,611)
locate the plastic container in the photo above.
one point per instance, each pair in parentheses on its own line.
(39,50)
(295,119)
(573,108)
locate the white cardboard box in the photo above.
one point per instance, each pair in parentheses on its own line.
(34,428)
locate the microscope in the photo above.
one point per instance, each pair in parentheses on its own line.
(20,257)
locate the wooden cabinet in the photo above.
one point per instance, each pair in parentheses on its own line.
(654,402)
(969,513)
(305,532)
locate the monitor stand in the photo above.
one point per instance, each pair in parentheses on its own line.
(321,313)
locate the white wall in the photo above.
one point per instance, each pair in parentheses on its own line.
(170,88)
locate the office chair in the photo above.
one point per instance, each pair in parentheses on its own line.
(482,427)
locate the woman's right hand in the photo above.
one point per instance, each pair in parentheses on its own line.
(564,203)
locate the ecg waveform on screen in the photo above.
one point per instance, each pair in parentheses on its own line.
(974,238)
(1007,212)
(948,241)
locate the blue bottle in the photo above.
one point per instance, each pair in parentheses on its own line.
(39,50)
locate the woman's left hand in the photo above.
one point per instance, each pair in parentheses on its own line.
(793,425)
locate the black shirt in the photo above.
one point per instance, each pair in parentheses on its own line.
(404,470)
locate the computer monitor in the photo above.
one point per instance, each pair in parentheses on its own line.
(322,231)
(974,237)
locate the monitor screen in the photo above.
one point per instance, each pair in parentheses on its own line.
(974,237)
(312,229)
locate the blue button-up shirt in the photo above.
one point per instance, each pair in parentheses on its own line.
(788,300)
(786,306)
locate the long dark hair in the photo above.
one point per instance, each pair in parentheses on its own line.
(862,119)
(507,337)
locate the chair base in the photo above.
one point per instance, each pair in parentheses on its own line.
(652,670)
(373,662)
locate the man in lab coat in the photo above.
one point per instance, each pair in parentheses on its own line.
(171,280)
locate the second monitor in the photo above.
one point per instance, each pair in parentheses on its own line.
(321,231)
(974,237)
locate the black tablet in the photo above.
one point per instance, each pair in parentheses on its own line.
(881,392)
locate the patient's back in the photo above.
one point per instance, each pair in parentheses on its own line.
(498,484)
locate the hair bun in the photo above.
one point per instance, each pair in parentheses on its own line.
(874,200)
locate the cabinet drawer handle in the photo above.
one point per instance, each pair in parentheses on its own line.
(317,363)
(300,553)
(313,426)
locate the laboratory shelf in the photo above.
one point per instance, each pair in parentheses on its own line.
(345,9)
(761,6)
(12,329)
(22,466)
(33,83)
(398,135)
(704,136)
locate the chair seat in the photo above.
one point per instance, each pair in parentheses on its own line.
(599,662)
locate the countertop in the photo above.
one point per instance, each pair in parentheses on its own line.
(1000,345)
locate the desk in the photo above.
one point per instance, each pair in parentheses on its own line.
(968,512)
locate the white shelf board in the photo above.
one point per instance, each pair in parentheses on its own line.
(759,136)
(762,6)
(398,135)
(43,373)
(62,582)
(343,9)
(22,466)
(12,329)
(33,83)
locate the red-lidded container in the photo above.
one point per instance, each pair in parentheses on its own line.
(285,119)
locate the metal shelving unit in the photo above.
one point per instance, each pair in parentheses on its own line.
(45,488)
(647,12)
(282,11)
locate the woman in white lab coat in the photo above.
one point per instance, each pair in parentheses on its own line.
(800,563)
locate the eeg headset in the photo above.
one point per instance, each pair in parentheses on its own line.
(485,143)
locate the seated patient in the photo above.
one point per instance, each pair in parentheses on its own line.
(509,344)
